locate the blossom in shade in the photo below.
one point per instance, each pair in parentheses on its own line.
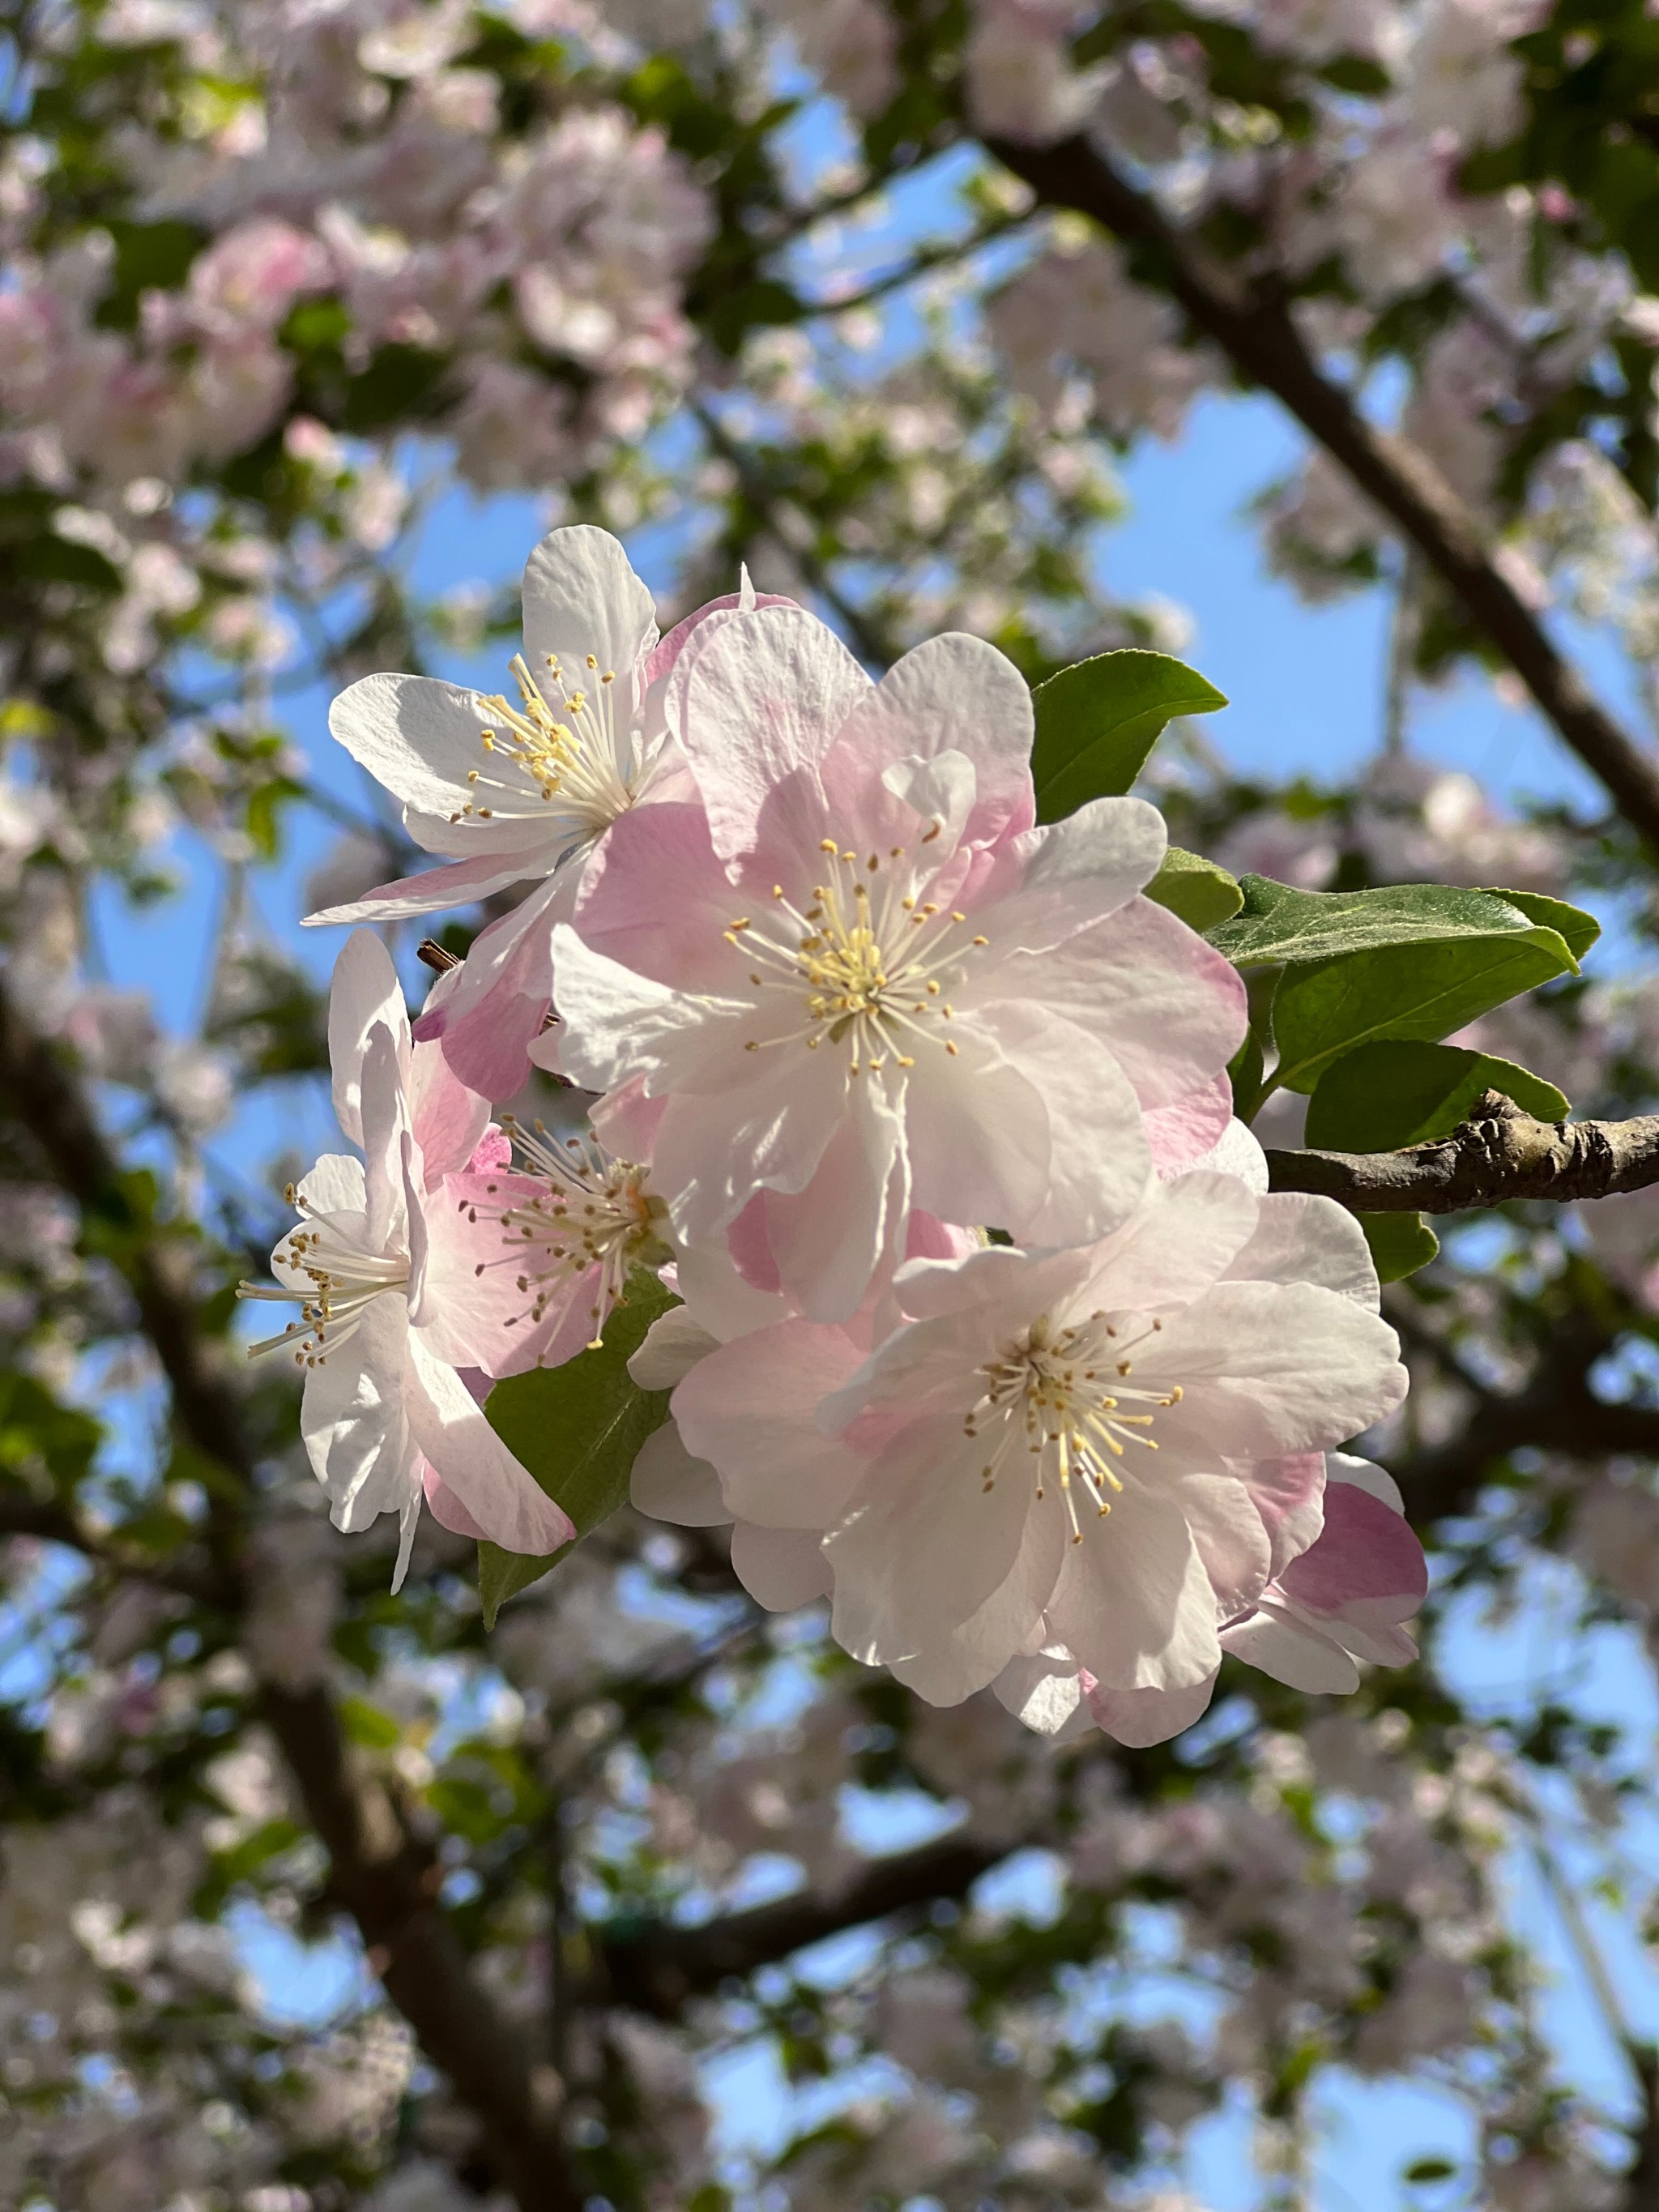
(387,1418)
(1097,1449)
(857,978)
(525,1261)
(518,786)
(1344,1598)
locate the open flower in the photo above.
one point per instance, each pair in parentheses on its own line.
(1343,1598)
(861,981)
(383,1411)
(514,787)
(525,1263)
(1100,1449)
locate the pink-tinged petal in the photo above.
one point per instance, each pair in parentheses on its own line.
(449,1119)
(494,1150)
(461,883)
(748,1245)
(1289,1494)
(663,656)
(408,1522)
(1235,1152)
(1366,1553)
(655,897)
(1071,875)
(1097,1160)
(669,1485)
(829,1239)
(780,1568)
(1044,1689)
(1134,1601)
(1171,1012)
(1300,1238)
(961,1112)
(955,693)
(617,1025)
(581,597)
(364,991)
(421,739)
(502,1497)
(673,1345)
(1013,1287)
(1188,1133)
(712,1152)
(747,1409)
(625,1121)
(975,1655)
(1365,1474)
(1174,1249)
(721,1295)
(925,1543)
(470,1311)
(1292,1652)
(1231,1539)
(756,706)
(488,1013)
(1140,1718)
(446,1509)
(1270,1368)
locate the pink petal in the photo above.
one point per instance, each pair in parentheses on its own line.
(460,883)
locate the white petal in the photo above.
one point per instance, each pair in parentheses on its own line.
(955,693)
(1174,1247)
(421,739)
(975,1655)
(1301,1239)
(1134,1601)
(364,991)
(500,1494)
(780,1568)
(1077,871)
(758,704)
(673,1345)
(669,1485)
(334,1185)
(582,596)
(747,1409)
(384,1116)
(352,1417)
(1043,1690)
(1236,1152)
(1139,1718)
(460,883)
(1291,1654)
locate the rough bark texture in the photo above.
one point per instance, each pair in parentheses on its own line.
(1500,1153)
(1254,327)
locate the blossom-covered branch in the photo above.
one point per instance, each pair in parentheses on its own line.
(1499,1154)
(379,1871)
(1253,325)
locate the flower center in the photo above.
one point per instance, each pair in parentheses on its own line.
(560,742)
(593,1217)
(333,1281)
(1066,1393)
(869,960)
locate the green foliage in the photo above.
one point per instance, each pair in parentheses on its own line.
(578,1429)
(1200,892)
(1278,923)
(1393,1093)
(1097,720)
(1400,1244)
(1424,990)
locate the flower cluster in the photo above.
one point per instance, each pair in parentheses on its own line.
(989,1330)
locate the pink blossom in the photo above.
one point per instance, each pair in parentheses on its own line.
(382,1405)
(860,981)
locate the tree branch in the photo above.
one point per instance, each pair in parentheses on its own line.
(382,1874)
(657,1968)
(1254,329)
(1499,1154)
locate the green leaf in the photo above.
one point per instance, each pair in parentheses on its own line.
(1278,923)
(1579,930)
(1400,1244)
(578,1429)
(1097,720)
(1196,889)
(1386,1094)
(1422,991)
